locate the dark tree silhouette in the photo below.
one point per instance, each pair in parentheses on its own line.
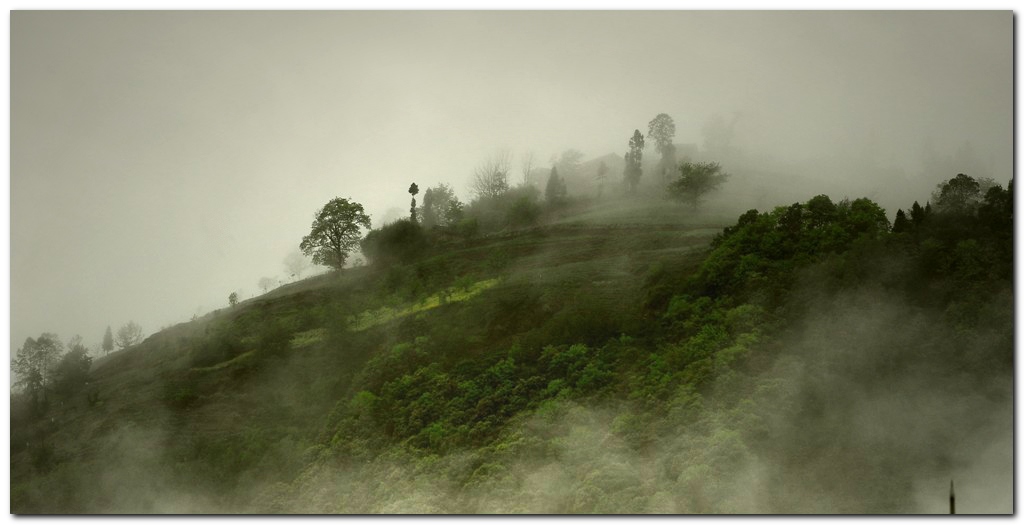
(696,180)
(634,157)
(72,371)
(662,129)
(917,214)
(901,224)
(108,341)
(413,190)
(33,365)
(441,207)
(335,232)
(957,194)
(555,191)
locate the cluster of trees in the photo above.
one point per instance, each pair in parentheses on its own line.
(441,207)
(685,361)
(685,181)
(337,227)
(34,366)
(702,360)
(46,365)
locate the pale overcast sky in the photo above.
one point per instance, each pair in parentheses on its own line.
(161,160)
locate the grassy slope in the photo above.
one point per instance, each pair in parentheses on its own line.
(175,430)
(572,369)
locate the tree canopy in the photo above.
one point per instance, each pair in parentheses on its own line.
(397,242)
(72,370)
(441,207)
(661,129)
(696,179)
(957,193)
(335,233)
(33,364)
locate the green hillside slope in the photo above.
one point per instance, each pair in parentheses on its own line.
(805,359)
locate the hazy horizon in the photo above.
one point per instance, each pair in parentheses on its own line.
(162,160)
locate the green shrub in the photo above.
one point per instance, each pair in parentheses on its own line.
(180,393)
(399,242)
(523,213)
(224,344)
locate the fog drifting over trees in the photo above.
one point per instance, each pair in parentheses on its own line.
(162,160)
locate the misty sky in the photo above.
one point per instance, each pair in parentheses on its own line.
(162,160)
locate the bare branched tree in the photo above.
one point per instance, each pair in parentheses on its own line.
(490,178)
(526,161)
(296,264)
(569,163)
(128,335)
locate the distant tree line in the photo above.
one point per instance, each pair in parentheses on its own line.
(497,204)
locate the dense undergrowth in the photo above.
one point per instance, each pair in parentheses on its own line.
(808,361)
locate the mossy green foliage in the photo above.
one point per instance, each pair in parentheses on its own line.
(452,294)
(572,369)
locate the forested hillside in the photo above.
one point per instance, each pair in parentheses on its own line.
(580,357)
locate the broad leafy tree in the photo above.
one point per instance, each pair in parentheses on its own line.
(335,233)
(957,194)
(696,179)
(662,130)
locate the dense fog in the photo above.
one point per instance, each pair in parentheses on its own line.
(161,161)
(729,318)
